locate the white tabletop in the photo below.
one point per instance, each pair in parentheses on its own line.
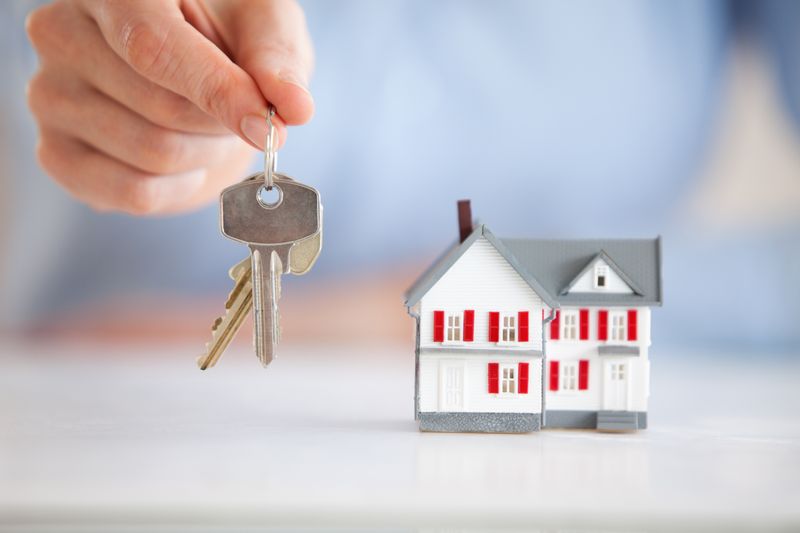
(101,436)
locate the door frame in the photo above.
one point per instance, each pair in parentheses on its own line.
(444,366)
(613,404)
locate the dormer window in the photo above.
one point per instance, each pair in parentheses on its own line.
(600,276)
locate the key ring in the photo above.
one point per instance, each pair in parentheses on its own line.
(270,155)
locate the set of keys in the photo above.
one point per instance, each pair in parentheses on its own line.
(284,234)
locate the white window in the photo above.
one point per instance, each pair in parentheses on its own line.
(600,276)
(508,379)
(619,323)
(508,329)
(570,326)
(453,327)
(569,375)
(618,372)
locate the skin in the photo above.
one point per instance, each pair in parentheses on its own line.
(154,106)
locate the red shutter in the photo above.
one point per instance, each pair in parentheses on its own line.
(583,374)
(523,326)
(494,381)
(584,323)
(469,325)
(494,326)
(632,325)
(553,375)
(602,325)
(523,378)
(438,326)
(554,326)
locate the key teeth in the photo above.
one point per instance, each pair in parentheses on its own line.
(240,296)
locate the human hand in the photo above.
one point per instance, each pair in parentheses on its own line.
(143,106)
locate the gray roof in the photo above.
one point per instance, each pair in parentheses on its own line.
(551,266)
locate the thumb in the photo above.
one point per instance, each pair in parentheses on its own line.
(270,41)
(156,41)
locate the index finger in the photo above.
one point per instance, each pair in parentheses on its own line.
(155,40)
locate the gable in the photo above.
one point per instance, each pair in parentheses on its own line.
(586,281)
(453,256)
(481,274)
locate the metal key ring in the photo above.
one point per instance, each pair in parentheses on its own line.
(270,155)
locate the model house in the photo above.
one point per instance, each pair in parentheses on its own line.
(518,334)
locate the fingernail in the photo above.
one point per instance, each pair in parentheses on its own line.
(288,76)
(254,127)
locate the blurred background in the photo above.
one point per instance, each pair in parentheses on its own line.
(558,119)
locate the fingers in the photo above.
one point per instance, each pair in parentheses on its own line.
(156,41)
(270,41)
(81,112)
(107,184)
(53,29)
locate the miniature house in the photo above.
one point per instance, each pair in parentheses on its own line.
(514,335)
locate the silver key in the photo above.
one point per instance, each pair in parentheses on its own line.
(283,237)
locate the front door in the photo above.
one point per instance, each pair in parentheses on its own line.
(451,386)
(616,386)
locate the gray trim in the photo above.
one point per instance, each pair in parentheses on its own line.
(571,419)
(480,422)
(589,419)
(610,300)
(618,350)
(550,317)
(478,351)
(416,370)
(621,420)
(615,267)
(660,296)
(443,264)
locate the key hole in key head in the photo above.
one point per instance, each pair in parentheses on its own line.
(269,199)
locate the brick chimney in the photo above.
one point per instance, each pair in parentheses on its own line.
(464,220)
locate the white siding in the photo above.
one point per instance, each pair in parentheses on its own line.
(592,399)
(614,283)
(476,391)
(482,280)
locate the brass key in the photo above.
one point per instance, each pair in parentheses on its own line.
(237,306)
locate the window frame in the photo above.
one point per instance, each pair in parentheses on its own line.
(451,317)
(563,324)
(568,371)
(513,380)
(503,329)
(618,333)
(618,371)
(601,271)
